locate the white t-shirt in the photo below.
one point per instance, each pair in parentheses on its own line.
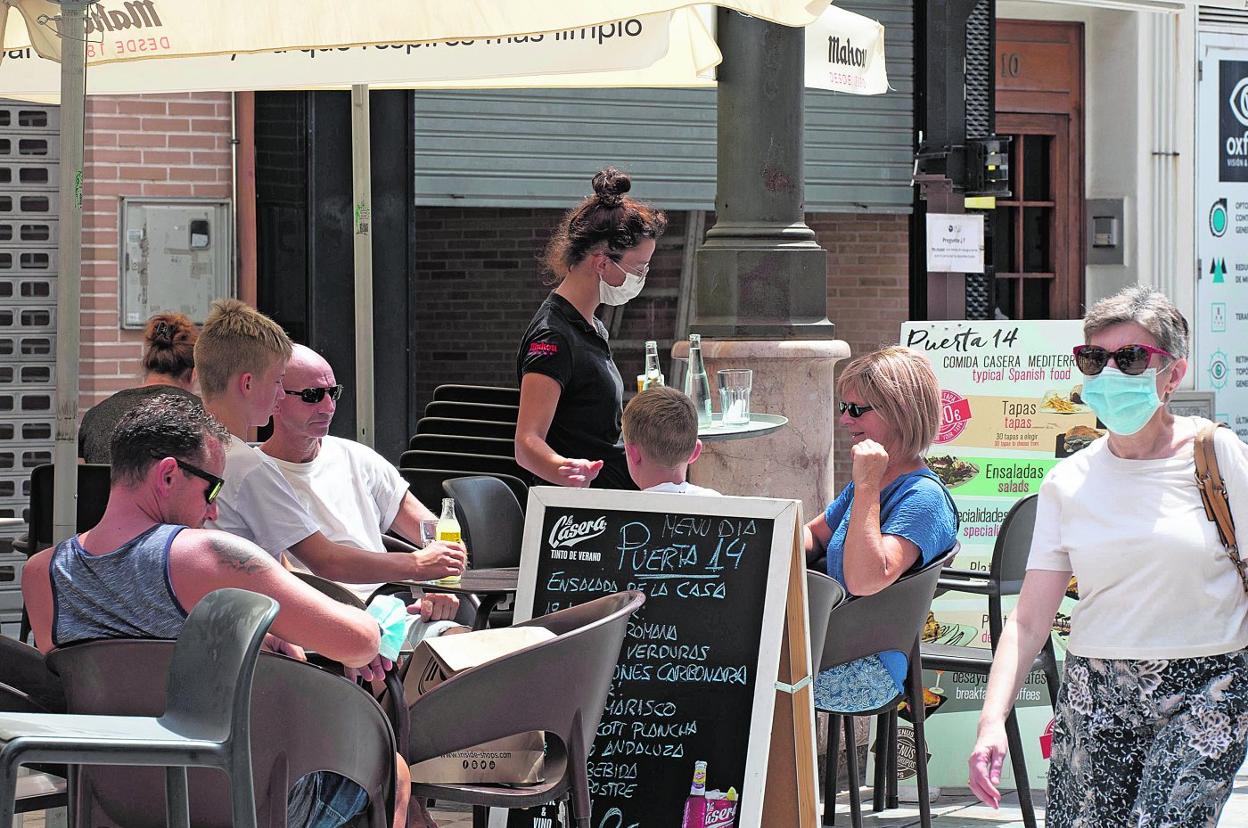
(351,492)
(258,504)
(1154,580)
(682,488)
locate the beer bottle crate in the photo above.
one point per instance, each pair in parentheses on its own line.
(28,318)
(17,261)
(32,146)
(27,347)
(16,458)
(26,376)
(22,232)
(10,623)
(26,403)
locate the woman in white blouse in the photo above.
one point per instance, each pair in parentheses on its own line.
(1152,715)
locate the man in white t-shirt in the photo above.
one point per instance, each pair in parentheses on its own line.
(240,359)
(351,491)
(660,428)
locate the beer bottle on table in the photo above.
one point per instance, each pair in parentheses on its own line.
(697,385)
(448,530)
(653,375)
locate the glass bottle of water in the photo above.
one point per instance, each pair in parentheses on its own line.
(654,374)
(697,385)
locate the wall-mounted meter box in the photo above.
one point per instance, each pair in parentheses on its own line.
(175,255)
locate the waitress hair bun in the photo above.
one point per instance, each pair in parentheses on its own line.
(610,185)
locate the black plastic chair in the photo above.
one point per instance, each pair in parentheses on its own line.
(891,619)
(489,464)
(93,484)
(465,428)
(426,484)
(491,519)
(304,719)
(25,670)
(473,411)
(1004,577)
(44,786)
(490,446)
(465,710)
(206,722)
(488,394)
(823,594)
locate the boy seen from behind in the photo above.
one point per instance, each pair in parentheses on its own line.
(660,441)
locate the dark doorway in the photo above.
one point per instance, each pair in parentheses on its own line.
(304,245)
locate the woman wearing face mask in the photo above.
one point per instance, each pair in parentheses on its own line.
(1152,714)
(571,394)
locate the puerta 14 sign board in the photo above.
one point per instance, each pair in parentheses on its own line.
(696,678)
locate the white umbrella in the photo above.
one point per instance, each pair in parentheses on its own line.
(104,31)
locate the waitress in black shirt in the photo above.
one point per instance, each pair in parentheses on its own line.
(571,394)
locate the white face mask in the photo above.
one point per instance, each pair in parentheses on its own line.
(619,294)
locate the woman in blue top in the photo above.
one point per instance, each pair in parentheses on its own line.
(893,517)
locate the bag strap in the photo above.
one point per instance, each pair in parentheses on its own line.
(1213,494)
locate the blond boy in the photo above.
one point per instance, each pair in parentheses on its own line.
(660,441)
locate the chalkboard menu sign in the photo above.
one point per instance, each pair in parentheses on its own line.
(684,738)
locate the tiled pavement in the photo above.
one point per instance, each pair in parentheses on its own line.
(949,811)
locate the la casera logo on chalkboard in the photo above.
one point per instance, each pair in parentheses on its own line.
(568,532)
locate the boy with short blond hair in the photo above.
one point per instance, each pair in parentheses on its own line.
(660,428)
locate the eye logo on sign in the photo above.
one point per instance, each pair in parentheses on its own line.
(1239,101)
(1218,219)
(1219,370)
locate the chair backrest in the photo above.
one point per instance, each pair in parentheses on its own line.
(491,518)
(473,411)
(213,664)
(489,446)
(580,661)
(891,619)
(465,428)
(1013,545)
(304,719)
(92,498)
(24,669)
(491,464)
(426,484)
(823,594)
(477,394)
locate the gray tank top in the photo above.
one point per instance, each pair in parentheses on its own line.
(126,593)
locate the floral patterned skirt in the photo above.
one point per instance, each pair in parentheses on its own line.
(1147,743)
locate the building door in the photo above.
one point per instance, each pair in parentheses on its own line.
(1038,235)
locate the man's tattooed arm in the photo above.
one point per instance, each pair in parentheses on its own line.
(238,555)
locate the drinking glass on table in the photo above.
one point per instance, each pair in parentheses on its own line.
(734,394)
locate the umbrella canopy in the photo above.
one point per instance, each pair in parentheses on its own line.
(107,31)
(150,29)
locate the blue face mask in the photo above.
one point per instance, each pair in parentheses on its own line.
(1124,403)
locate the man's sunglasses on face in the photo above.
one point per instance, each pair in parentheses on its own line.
(312,396)
(215,483)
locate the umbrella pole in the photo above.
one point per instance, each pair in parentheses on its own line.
(72,30)
(362,200)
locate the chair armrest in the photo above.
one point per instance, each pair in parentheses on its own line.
(958,585)
(393,544)
(968,574)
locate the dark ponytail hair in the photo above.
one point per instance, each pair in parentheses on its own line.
(169,345)
(608,217)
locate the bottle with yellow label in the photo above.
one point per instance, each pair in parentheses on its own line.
(448,530)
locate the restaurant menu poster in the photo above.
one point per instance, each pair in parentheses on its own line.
(1011,409)
(685,736)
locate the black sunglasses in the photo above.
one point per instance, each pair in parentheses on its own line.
(1131,359)
(215,483)
(312,396)
(854,409)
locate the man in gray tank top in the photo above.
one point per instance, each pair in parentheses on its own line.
(148,563)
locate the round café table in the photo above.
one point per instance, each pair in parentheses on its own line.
(758,425)
(491,585)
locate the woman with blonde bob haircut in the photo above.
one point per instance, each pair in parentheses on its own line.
(894,516)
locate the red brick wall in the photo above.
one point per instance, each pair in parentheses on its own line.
(868,290)
(150,145)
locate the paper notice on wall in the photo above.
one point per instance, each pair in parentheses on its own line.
(955,243)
